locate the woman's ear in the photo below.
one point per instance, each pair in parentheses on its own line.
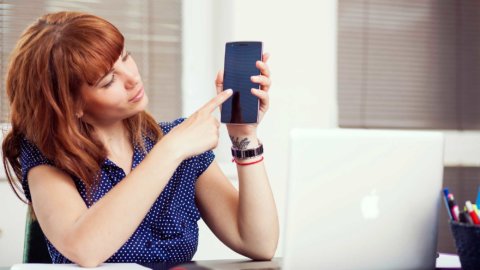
(79,114)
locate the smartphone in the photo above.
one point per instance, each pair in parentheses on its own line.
(240,65)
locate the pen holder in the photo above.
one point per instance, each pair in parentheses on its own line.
(467,242)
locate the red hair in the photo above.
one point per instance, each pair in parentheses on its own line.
(53,58)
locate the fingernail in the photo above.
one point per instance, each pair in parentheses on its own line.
(253,78)
(229,91)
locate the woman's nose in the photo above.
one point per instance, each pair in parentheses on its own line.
(129,75)
(130,79)
(131,82)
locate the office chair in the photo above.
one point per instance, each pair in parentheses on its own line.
(35,246)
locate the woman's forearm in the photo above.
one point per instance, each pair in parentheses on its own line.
(258,220)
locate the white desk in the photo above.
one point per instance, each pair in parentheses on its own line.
(445,261)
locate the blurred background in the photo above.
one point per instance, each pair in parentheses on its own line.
(349,63)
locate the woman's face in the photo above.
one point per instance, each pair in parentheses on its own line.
(118,95)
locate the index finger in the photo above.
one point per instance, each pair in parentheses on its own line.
(217,101)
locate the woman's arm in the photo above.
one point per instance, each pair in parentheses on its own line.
(89,236)
(245,220)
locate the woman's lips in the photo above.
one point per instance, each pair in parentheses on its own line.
(138,96)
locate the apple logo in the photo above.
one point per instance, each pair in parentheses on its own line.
(370,205)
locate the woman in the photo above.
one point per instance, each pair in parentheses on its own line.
(106,182)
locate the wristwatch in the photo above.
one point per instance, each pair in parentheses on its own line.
(247,153)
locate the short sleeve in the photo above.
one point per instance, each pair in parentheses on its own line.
(202,161)
(167,126)
(30,157)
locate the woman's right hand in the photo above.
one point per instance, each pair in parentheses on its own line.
(199,132)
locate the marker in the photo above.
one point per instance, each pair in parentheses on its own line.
(475,208)
(445,200)
(453,207)
(472,213)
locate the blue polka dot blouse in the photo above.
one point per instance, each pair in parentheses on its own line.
(169,232)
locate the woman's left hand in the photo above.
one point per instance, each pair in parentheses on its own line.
(265,82)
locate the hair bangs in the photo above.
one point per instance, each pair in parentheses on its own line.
(98,45)
(100,59)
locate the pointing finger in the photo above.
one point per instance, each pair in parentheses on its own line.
(219,81)
(217,101)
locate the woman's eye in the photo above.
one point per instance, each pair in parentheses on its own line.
(110,82)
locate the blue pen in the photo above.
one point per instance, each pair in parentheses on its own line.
(478,198)
(445,199)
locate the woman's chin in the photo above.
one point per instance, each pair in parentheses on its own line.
(141,104)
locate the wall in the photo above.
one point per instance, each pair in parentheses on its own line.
(301,38)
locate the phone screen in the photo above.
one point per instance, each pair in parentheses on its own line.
(240,65)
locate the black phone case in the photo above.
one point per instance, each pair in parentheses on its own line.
(240,65)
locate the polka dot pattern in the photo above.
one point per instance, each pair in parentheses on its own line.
(169,232)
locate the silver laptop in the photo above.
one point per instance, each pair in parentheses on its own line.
(363,199)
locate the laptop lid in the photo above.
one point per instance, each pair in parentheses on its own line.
(363,199)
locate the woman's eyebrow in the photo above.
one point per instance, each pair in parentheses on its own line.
(122,55)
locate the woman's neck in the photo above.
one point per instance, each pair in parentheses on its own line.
(115,138)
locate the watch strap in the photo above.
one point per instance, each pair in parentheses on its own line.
(247,153)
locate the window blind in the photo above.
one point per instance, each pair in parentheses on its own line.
(408,64)
(152,30)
